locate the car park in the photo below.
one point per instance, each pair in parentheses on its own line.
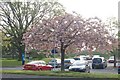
(99,62)
(80,66)
(111,59)
(68,63)
(56,63)
(37,65)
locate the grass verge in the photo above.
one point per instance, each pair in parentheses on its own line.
(11,63)
(16,63)
(61,74)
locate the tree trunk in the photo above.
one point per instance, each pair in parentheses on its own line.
(21,50)
(62,56)
(19,56)
(114,60)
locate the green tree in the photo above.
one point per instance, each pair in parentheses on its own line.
(16,18)
(114,31)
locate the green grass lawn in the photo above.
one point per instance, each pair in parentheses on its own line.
(11,63)
(15,62)
(61,74)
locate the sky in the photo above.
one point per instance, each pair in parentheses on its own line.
(91,8)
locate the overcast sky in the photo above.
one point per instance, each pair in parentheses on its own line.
(90,8)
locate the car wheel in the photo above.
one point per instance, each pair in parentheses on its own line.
(103,67)
(106,66)
(56,66)
(39,69)
(93,67)
(89,71)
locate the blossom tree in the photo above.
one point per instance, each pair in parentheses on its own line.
(67,30)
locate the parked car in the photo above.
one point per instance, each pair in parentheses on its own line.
(68,63)
(118,68)
(111,59)
(37,65)
(80,66)
(80,59)
(55,63)
(99,62)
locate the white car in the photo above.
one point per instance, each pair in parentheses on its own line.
(111,59)
(80,66)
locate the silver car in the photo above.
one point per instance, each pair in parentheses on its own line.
(55,63)
(80,66)
(99,62)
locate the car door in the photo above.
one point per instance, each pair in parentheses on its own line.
(40,66)
(46,67)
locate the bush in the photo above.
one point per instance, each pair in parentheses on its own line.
(41,56)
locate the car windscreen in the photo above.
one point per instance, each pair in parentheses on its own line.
(66,61)
(76,58)
(97,60)
(111,58)
(53,60)
(78,64)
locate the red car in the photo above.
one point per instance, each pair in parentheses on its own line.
(37,65)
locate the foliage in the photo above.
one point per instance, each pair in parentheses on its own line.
(16,18)
(46,59)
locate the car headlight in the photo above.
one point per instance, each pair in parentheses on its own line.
(82,67)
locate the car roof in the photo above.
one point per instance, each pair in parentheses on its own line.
(69,59)
(79,62)
(111,56)
(55,59)
(36,61)
(99,57)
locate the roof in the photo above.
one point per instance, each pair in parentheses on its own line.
(69,59)
(79,62)
(41,61)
